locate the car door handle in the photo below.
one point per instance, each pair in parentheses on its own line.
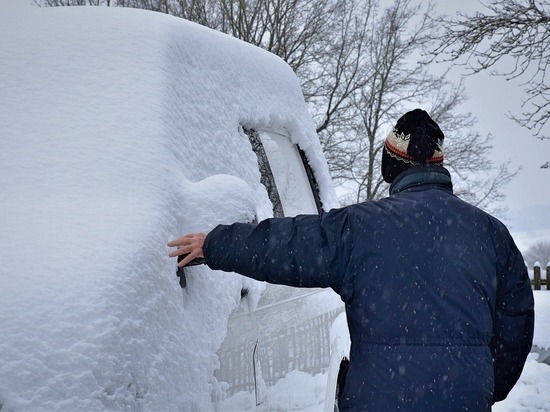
(180,272)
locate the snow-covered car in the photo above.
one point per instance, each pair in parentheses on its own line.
(122,129)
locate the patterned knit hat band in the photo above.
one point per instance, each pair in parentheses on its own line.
(397,145)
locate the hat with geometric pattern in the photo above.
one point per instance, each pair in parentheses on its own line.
(415,140)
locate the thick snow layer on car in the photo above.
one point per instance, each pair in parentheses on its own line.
(108,145)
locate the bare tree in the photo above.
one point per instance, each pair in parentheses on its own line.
(510,29)
(393,81)
(468,154)
(396,81)
(538,252)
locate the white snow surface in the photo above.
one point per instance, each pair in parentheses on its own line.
(110,149)
(542,319)
(532,392)
(99,171)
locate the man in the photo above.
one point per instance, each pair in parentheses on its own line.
(438,300)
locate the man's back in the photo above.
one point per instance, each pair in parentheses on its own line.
(424,292)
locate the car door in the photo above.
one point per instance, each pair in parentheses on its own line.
(276,357)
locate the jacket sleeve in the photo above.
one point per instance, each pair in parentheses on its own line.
(513,321)
(304,251)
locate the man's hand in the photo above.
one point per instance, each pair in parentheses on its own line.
(190,245)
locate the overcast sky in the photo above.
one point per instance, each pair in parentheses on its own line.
(490,99)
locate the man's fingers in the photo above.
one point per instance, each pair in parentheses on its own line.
(190,245)
(180,251)
(184,240)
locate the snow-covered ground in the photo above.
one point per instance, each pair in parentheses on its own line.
(532,392)
(99,171)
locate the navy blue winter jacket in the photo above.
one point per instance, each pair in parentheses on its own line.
(438,300)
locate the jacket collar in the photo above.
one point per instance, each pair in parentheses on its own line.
(421,175)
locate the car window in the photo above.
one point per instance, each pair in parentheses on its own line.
(286,174)
(266,175)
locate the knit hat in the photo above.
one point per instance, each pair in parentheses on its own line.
(415,140)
